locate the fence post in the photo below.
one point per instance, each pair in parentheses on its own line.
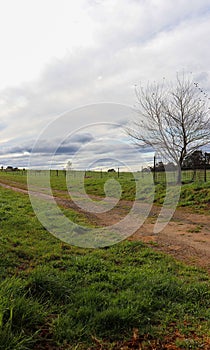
(205,163)
(154,171)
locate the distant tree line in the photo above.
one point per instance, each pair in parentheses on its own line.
(11,168)
(197,160)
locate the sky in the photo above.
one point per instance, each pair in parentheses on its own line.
(77,63)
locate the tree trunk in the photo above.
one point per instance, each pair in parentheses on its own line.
(179,175)
(180,163)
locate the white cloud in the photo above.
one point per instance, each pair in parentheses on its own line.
(59,55)
(31,32)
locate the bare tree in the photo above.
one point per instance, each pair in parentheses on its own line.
(68,165)
(174,121)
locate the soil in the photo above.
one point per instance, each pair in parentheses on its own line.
(186,236)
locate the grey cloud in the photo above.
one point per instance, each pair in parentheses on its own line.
(80,138)
(134,40)
(70,150)
(105,155)
(148,18)
(71,145)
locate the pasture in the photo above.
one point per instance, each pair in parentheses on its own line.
(127,296)
(195,195)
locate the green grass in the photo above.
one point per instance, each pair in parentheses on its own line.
(193,195)
(53,294)
(196,195)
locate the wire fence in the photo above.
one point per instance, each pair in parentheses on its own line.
(188,176)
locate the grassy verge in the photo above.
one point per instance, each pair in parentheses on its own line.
(57,296)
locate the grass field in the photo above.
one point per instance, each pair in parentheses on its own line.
(195,195)
(55,296)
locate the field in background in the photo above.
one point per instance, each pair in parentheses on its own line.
(195,195)
(53,295)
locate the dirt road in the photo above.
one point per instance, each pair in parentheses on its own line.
(186,237)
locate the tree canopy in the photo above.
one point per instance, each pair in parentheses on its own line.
(173,119)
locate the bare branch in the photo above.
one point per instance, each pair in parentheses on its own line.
(174,121)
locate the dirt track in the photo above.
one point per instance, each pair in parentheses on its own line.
(186,237)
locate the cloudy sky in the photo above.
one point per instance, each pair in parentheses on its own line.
(82,59)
